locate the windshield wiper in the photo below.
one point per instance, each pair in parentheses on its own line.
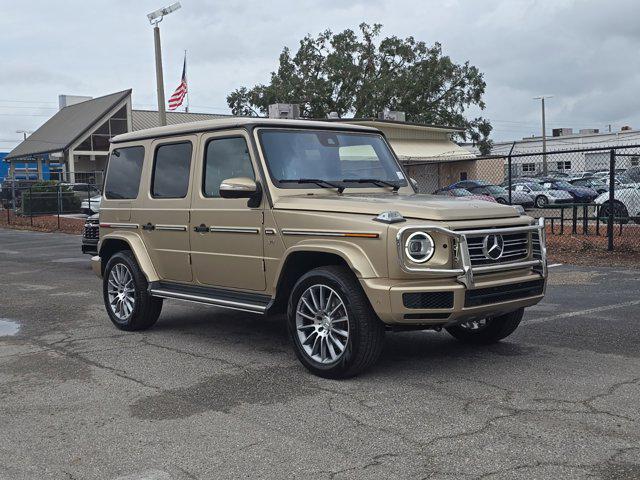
(317,181)
(375,181)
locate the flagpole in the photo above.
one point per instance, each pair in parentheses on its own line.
(186,108)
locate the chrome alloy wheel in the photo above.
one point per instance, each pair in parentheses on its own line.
(475,325)
(121,291)
(322,324)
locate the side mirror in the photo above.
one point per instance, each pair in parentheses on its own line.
(239,187)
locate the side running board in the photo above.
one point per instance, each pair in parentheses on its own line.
(244,301)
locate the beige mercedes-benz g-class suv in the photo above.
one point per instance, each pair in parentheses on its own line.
(315,220)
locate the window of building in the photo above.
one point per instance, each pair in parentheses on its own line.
(565,165)
(98,140)
(225,158)
(635,161)
(123,173)
(528,167)
(463,176)
(171,167)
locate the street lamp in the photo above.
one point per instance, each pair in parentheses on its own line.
(24,133)
(544,135)
(154,19)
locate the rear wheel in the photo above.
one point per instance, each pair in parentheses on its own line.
(335,332)
(501,200)
(487,330)
(541,201)
(126,297)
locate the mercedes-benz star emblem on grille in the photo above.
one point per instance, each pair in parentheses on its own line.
(493,246)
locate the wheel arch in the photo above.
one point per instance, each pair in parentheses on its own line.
(303,258)
(116,242)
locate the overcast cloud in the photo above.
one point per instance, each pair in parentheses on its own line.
(585,53)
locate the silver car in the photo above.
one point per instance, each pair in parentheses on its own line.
(541,195)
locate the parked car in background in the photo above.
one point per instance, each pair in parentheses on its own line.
(462,192)
(626,203)
(501,195)
(92,205)
(467,184)
(597,184)
(579,194)
(90,235)
(542,196)
(83,191)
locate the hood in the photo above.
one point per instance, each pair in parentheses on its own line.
(424,207)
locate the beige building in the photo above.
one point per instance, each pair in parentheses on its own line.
(431,157)
(74,143)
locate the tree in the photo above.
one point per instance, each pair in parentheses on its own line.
(357,75)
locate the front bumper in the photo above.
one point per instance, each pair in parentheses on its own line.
(90,245)
(444,296)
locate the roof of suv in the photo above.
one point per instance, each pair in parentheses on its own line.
(235,122)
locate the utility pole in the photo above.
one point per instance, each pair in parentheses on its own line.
(545,168)
(154,19)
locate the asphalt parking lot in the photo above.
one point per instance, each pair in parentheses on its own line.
(215,394)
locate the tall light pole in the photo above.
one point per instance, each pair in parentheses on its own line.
(154,19)
(544,134)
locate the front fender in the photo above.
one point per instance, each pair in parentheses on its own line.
(138,249)
(351,253)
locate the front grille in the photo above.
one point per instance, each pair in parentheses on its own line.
(91,231)
(503,293)
(516,248)
(428,300)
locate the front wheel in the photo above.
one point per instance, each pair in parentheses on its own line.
(126,297)
(487,330)
(620,212)
(335,332)
(541,201)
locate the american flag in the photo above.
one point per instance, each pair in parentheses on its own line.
(178,96)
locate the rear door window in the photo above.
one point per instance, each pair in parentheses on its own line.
(123,173)
(171,167)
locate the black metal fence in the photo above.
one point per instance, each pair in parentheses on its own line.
(591,192)
(26,199)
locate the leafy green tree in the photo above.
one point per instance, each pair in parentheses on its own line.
(357,75)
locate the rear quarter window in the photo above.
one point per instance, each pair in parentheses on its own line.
(123,173)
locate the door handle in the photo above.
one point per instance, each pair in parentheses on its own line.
(202,228)
(149,226)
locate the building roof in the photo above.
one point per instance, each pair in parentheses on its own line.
(231,122)
(409,125)
(67,125)
(143,119)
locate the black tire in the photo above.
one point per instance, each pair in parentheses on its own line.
(541,201)
(146,309)
(495,329)
(501,200)
(365,330)
(620,212)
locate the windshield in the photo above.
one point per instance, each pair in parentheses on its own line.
(563,184)
(329,158)
(534,187)
(461,192)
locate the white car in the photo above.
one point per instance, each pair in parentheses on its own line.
(543,196)
(626,203)
(92,205)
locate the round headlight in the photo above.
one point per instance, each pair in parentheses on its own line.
(419,247)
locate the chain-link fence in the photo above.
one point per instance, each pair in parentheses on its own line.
(590,192)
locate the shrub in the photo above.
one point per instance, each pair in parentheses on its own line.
(48,197)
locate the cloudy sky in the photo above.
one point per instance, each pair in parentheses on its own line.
(584,53)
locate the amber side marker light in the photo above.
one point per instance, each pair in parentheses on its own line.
(362,235)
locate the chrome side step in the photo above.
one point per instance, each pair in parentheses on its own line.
(253,303)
